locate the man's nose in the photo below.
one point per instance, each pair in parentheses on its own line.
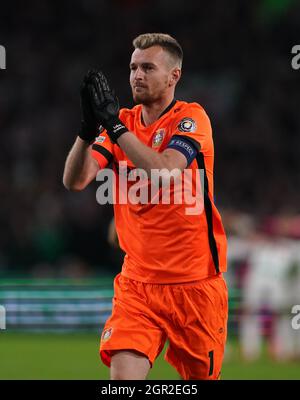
(139,74)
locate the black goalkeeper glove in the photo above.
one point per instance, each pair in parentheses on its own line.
(105,105)
(89,126)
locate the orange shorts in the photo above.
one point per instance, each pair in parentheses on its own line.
(191,316)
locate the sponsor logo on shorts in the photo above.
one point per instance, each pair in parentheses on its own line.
(106,334)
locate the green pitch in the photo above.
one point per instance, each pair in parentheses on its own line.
(75,356)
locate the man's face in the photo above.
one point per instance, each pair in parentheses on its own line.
(151,74)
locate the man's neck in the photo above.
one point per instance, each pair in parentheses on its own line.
(152,112)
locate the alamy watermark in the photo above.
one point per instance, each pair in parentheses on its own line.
(296,59)
(296,319)
(2,318)
(135,186)
(2,57)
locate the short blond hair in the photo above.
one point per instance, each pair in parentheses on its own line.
(167,42)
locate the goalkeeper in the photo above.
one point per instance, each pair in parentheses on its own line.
(171,286)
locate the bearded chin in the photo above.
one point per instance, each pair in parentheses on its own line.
(142,99)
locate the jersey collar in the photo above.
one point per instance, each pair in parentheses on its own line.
(168,108)
(173,102)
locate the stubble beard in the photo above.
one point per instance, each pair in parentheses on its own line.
(144,99)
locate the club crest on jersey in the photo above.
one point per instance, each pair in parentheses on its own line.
(158,138)
(187,125)
(100,139)
(106,334)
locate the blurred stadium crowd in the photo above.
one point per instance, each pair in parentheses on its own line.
(237,64)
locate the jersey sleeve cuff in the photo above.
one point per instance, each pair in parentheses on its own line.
(101,155)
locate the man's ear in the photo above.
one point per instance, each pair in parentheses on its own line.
(175,76)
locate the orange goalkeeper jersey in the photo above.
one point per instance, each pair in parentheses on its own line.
(165,243)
